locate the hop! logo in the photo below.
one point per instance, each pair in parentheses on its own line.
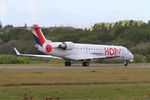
(112,51)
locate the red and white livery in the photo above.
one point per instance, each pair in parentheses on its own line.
(70,51)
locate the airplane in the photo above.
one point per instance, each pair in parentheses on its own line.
(70,51)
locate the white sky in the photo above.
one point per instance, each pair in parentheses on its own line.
(77,13)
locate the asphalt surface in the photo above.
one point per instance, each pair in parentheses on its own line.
(62,67)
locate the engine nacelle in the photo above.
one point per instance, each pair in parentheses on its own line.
(66,46)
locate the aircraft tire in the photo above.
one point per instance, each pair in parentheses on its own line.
(85,63)
(68,63)
(126,63)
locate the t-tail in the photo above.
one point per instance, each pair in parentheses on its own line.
(38,35)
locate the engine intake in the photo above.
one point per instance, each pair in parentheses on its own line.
(66,46)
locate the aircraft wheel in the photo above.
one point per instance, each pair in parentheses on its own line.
(126,63)
(85,63)
(68,63)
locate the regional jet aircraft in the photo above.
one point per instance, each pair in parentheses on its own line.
(70,51)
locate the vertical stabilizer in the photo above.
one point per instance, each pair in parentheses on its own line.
(38,35)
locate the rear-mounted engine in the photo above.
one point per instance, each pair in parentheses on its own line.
(66,46)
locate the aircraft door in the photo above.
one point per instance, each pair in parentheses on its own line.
(122,53)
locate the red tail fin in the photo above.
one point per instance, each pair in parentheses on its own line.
(38,35)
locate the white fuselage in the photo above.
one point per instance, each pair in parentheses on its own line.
(90,51)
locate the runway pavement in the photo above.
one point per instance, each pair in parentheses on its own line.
(32,67)
(62,67)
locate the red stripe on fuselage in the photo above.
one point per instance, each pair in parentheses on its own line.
(39,34)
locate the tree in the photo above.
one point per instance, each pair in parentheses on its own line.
(1,25)
(149,22)
(8,26)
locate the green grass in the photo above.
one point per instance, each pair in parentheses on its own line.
(74,76)
(116,83)
(79,92)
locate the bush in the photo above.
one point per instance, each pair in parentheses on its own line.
(23,60)
(148,58)
(11,59)
(139,58)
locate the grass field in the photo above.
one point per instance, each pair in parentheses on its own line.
(74,76)
(79,92)
(76,84)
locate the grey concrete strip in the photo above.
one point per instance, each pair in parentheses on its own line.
(62,67)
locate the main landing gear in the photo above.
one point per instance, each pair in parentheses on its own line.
(84,63)
(68,63)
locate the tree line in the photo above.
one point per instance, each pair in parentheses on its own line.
(133,34)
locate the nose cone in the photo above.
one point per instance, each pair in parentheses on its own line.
(131,57)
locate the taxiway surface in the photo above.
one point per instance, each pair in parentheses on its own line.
(62,67)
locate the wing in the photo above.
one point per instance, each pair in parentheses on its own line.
(32,55)
(89,56)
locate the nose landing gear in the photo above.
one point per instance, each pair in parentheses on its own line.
(126,63)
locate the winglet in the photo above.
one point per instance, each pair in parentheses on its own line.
(17,52)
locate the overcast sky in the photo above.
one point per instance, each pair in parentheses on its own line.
(77,13)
